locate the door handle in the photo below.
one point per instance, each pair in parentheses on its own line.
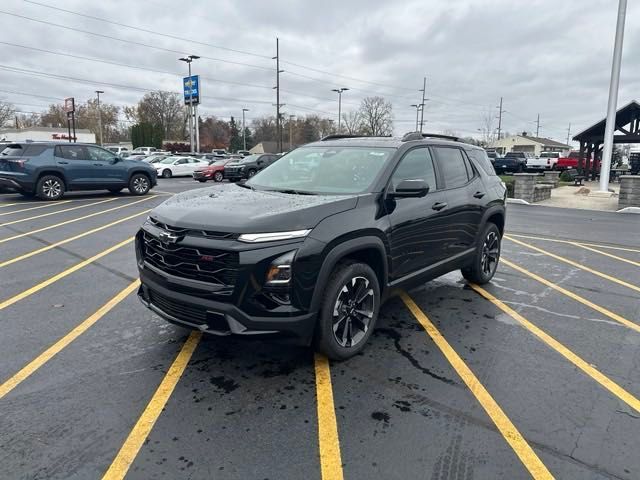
(63,163)
(438,206)
(478,194)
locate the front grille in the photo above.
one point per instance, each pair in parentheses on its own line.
(193,232)
(204,264)
(177,309)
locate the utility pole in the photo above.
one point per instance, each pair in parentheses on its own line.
(610,126)
(188,60)
(568,133)
(538,126)
(98,92)
(244,132)
(339,92)
(291,117)
(277,89)
(500,119)
(417,106)
(424,91)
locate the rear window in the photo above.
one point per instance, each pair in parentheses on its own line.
(481,160)
(453,166)
(14,149)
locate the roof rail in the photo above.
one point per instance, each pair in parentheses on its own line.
(337,136)
(419,136)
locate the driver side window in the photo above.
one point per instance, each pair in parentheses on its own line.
(417,164)
(100,154)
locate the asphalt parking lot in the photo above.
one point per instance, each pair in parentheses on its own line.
(537,375)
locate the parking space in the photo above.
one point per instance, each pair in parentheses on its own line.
(536,375)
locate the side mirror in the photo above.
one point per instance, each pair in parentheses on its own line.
(410,189)
(116,159)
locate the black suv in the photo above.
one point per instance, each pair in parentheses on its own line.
(248,166)
(312,252)
(48,169)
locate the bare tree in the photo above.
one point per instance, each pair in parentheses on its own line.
(352,122)
(376,114)
(487,131)
(164,109)
(6,112)
(28,120)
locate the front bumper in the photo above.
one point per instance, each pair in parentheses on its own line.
(216,317)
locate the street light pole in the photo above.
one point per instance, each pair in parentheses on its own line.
(610,126)
(339,92)
(98,92)
(424,91)
(188,61)
(291,117)
(244,134)
(418,107)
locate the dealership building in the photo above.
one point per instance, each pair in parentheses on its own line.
(45,134)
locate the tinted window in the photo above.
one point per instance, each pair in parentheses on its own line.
(481,159)
(416,165)
(452,165)
(99,154)
(71,152)
(14,149)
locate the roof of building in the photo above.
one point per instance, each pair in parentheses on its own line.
(267,147)
(547,142)
(42,129)
(623,117)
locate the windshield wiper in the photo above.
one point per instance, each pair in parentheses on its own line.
(292,191)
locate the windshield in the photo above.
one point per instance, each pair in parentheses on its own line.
(167,160)
(324,170)
(249,159)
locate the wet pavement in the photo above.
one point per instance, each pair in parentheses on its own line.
(520,379)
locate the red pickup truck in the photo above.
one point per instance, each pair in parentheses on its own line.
(565,163)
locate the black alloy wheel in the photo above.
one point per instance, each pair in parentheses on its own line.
(485,262)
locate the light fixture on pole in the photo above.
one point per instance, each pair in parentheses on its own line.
(418,107)
(188,59)
(244,131)
(98,92)
(339,92)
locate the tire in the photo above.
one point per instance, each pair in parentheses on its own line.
(347,280)
(50,187)
(139,184)
(115,190)
(218,176)
(251,173)
(166,173)
(487,256)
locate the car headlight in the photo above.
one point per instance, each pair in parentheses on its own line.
(279,273)
(273,236)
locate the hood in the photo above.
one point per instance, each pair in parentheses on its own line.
(231,208)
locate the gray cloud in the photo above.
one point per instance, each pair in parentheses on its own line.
(546,57)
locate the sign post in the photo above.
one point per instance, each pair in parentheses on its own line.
(70,108)
(191,89)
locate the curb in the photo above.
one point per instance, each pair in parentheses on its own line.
(517,201)
(629,210)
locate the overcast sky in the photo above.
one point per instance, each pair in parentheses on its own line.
(545,57)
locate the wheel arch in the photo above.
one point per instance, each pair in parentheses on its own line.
(495,215)
(51,171)
(369,250)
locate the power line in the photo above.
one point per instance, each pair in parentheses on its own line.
(197,42)
(140,44)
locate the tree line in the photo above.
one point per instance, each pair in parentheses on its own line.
(162,116)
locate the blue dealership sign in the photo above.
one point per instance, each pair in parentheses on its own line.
(191,88)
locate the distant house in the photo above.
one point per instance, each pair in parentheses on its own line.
(527,143)
(266,147)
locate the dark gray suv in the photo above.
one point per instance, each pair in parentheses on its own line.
(248,166)
(48,169)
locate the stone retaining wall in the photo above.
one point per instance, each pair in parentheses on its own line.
(629,191)
(552,177)
(524,186)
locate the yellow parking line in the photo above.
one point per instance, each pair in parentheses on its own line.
(129,450)
(576,264)
(33,208)
(56,212)
(546,239)
(67,222)
(577,298)
(514,438)
(57,347)
(626,260)
(591,371)
(329,443)
(71,239)
(36,288)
